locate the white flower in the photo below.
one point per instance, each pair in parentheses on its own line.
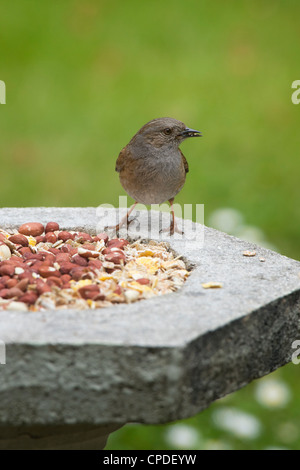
(272,393)
(237,422)
(182,436)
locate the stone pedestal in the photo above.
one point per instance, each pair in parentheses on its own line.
(72,437)
(71,375)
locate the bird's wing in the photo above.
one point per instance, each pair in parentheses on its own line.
(185,163)
(121,160)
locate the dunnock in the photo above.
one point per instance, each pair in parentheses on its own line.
(152,168)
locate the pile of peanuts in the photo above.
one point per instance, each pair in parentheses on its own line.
(45,267)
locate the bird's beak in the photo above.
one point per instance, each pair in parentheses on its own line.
(190,133)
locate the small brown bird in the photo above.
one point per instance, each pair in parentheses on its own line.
(152,168)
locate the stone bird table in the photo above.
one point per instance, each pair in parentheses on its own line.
(72,377)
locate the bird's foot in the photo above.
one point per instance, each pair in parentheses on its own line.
(173,228)
(125,222)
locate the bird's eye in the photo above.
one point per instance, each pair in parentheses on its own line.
(167,131)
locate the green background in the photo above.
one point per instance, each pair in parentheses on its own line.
(83,76)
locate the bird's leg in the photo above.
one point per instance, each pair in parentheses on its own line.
(124,220)
(173,226)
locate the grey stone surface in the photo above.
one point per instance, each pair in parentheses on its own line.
(156,360)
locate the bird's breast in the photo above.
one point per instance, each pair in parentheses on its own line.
(154,180)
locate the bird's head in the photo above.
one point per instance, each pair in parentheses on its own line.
(165,132)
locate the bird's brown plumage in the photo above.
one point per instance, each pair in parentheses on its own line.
(152,168)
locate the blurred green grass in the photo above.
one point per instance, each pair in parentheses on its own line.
(83,76)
